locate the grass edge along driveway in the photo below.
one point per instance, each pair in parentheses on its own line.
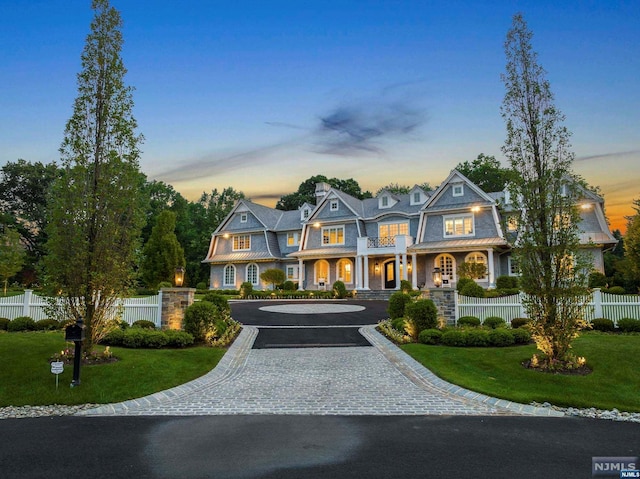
(497,372)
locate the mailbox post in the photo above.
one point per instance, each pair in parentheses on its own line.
(75,333)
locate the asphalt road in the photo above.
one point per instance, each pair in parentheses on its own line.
(332,447)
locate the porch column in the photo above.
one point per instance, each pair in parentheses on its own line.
(397,271)
(405,267)
(358,272)
(492,276)
(301,275)
(414,270)
(366,272)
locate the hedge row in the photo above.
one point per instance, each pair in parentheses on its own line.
(475,337)
(147,338)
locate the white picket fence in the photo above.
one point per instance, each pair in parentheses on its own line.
(599,305)
(32,305)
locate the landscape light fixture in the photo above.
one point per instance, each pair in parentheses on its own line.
(437,277)
(179,278)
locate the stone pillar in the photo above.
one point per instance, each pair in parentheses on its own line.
(445,301)
(174,303)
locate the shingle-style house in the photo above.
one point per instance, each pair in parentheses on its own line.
(374,243)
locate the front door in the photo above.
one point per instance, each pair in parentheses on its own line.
(390,275)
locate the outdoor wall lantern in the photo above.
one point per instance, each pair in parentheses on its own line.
(437,277)
(409,268)
(376,267)
(179,279)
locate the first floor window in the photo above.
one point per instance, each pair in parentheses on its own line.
(333,235)
(461,225)
(292,273)
(252,273)
(513,267)
(345,268)
(447,265)
(229,275)
(241,242)
(478,258)
(321,272)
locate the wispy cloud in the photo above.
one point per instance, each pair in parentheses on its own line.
(603,156)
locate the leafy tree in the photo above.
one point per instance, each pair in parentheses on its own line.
(161,197)
(12,255)
(274,276)
(537,146)
(399,189)
(471,270)
(97,208)
(24,190)
(486,172)
(307,192)
(162,253)
(632,248)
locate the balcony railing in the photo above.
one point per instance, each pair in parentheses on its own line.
(382,242)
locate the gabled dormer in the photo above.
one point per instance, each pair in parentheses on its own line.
(386,199)
(305,211)
(457,191)
(417,196)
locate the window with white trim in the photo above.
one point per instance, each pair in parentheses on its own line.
(242,243)
(416,197)
(514,270)
(305,213)
(344,269)
(385,201)
(512,223)
(321,272)
(458,225)
(447,265)
(457,190)
(292,239)
(478,258)
(333,205)
(252,274)
(332,235)
(243,217)
(292,273)
(229,276)
(391,230)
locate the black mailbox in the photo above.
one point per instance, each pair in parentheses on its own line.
(74,332)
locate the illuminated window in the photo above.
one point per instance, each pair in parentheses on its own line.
(242,243)
(460,225)
(512,223)
(391,230)
(332,235)
(345,268)
(229,275)
(447,265)
(252,273)
(321,272)
(292,239)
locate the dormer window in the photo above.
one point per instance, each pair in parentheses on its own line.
(334,205)
(416,197)
(385,201)
(458,190)
(564,190)
(305,213)
(243,217)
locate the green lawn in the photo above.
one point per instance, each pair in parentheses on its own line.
(614,382)
(26,378)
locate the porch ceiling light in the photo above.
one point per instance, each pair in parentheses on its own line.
(585,206)
(437,277)
(475,209)
(316,225)
(179,277)
(226,235)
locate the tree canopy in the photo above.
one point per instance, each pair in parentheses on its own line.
(307,192)
(162,253)
(12,255)
(486,172)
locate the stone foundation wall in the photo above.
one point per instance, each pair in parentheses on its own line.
(174,303)
(445,301)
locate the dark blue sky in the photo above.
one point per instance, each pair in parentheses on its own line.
(260,95)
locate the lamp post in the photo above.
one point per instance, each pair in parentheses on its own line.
(179,277)
(437,277)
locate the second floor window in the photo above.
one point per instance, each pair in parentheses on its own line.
(460,225)
(243,217)
(391,230)
(242,243)
(334,205)
(333,235)
(292,239)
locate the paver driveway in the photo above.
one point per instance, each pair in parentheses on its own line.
(377,379)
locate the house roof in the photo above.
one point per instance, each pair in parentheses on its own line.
(323,253)
(244,256)
(457,245)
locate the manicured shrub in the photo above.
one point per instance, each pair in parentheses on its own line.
(123,325)
(469,321)
(339,290)
(144,324)
(200,319)
(397,303)
(22,323)
(505,292)
(47,325)
(430,336)
(405,286)
(201,285)
(290,285)
(164,284)
(477,337)
(4,323)
(178,339)
(519,322)
(626,325)
(146,292)
(473,290)
(520,335)
(501,337)
(602,324)
(398,324)
(219,301)
(462,282)
(507,282)
(153,339)
(133,338)
(454,337)
(146,338)
(423,312)
(597,280)
(246,289)
(115,337)
(615,290)
(494,322)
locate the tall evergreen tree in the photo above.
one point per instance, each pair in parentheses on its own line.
(162,253)
(12,255)
(547,250)
(97,209)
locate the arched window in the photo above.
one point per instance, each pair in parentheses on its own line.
(447,265)
(252,273)
(479,258)
(321,272)
(344,270)
(229,275)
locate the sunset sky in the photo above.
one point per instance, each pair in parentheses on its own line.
(261,95)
